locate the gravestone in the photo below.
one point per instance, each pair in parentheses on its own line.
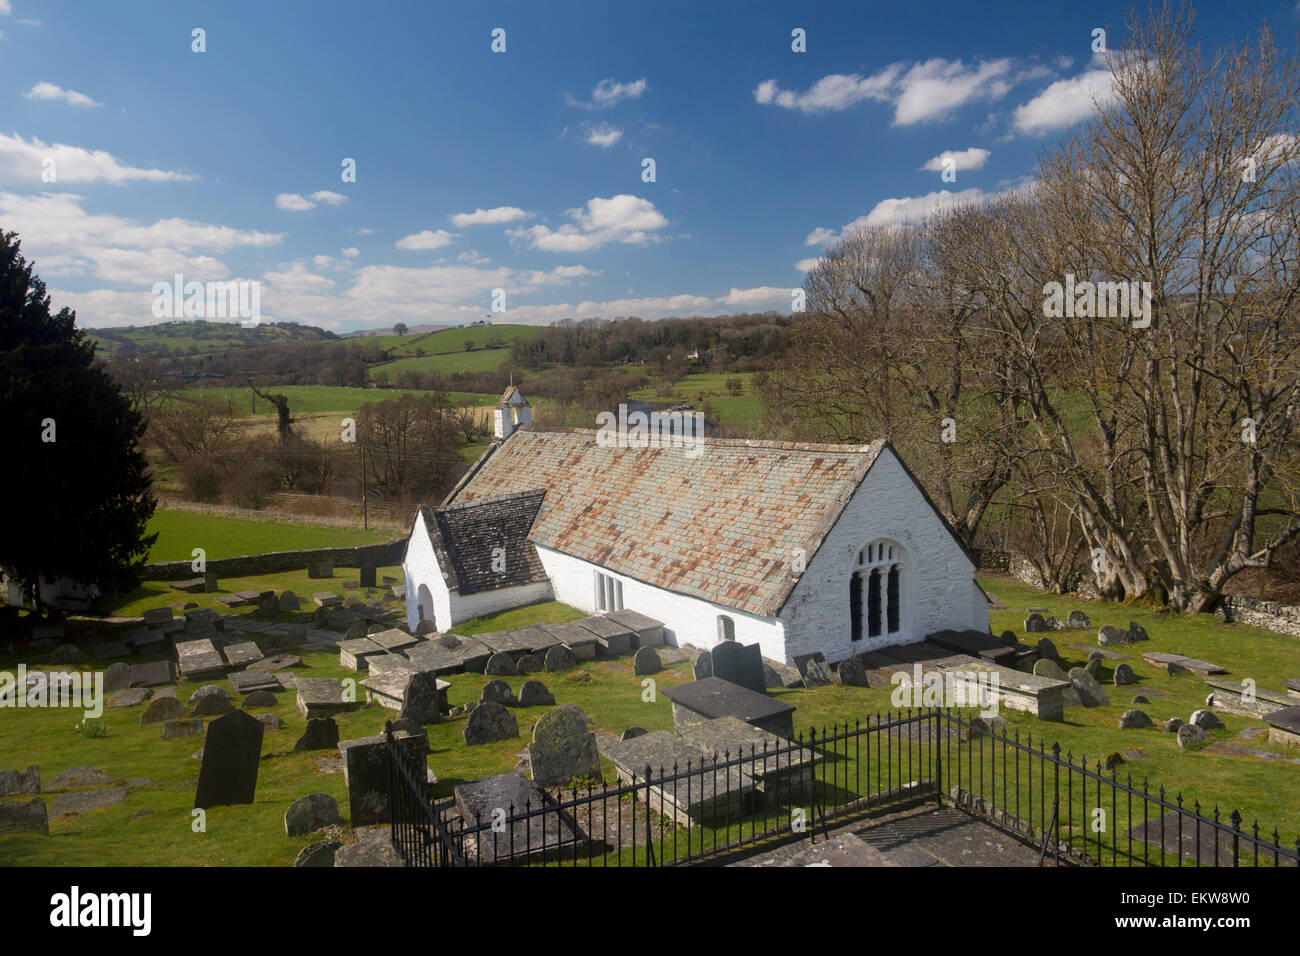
(162,709)
(502,665)
(117,676)
(186,727)
(1191,737)
(422,701)
(268,603)
(703,666)
(199,660)
(563,748)
(499,692)
(1134,719)
(157,615)
(1076,620)
(1047,650)
(18,783)
(260,698)
(320,697)
(812,674)
(231,754)
(1124,675)
(368,577)
(252,681)
(1111,636)
(1035,624)
(210,583)
(740,664)
(16,817)
(489,721)
(322,733)
(1046,667)
(1206,720)
(209,701)
(1089,690)
(1136,632)
(128,697)
(310,813)
(780,674)
(647,661)
(535,694)
(559,658)
(852,672)
(289,601)
(367,771)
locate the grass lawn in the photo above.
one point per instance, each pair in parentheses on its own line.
(614,698)
(313,399)
(733,411)
(224,536)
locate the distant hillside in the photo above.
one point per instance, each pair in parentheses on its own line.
(199,337)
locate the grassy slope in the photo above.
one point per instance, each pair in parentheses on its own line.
(314,399)
(223,536)
(711,386)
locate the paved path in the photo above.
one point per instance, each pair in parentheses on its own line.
(921,837)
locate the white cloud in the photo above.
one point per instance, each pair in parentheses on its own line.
(806,265)
(911,209)
(351,252)
(486,217)
(820,236)
(5,8)
(604,135)
(609,92)
(22,162)
(293,202)
(364,231)
(973,158)
(426,240)
(332,198)
(835,92)
(623,218)
(922,92)
(1064,102)
(296,277)
(473,257)
(50,91)
(757,296)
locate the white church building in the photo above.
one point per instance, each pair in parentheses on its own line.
(796,547)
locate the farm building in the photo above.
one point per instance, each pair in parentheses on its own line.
(796,547)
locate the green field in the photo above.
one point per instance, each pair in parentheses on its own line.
(315,399)
(197,337)
(223,536)
(732,411)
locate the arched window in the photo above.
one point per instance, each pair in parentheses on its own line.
(726,628)
(877,597)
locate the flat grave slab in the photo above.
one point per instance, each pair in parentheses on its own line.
(154,674)
(320,697)
(390,663)
(247,681)
(353,653)
(142,638)
(393,639)
(615,638)
(326,599)
(772,762)
(713,697)
(1292,685)
(1284,726)
(278,662)
(1044,697)
(1164,660)
(470,653)
(550,831)
(388,689)
(581,641)
(978,644)
(516,643)
(242,654)
(199,660)
(1229,695)
(649,632)
(703,791)
(1105,652)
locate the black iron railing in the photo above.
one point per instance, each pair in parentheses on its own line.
(743,801)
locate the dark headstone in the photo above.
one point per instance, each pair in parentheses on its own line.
(18,783)
(852,672)
(231,754)
(1089,690)
(162,709)
(1136,632)
(210,701)
(117,676)
(1077,620)
(367,769)
(1190,736)
(1206,720)
(498,692)
(1134,719)
(1035,624)
(210,583)
(563,748)
(535,694)
(368,576)
(1047,650)
(1124,675)
(490,721)
(703,666)
(1111,636)
(559,658)
(310,813)
(289,601)
(740,664)
(501,665)
(260,698)
(322,734)
(320,853)
(16,816)
(646,661)
(422,701)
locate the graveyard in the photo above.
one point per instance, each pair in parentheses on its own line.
(127,797)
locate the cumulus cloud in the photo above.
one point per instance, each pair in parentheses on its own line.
(296,277)
(973,158)
(426,239)
(351,252)
(488,217)
(920,92)
(23,162)
(604,135)
(806,265)
(331,198)
(820,236)
(609,92)
(623,218)
(1064,103)
(295,202)
(51,91)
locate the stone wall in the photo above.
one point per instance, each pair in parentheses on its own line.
(1239,609)
(380,555)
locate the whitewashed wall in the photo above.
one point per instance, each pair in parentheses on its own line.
(937,584)
(687,620)
(451,607)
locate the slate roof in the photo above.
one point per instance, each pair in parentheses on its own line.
(721,526)
(464,535)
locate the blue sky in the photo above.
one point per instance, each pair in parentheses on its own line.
(519,170)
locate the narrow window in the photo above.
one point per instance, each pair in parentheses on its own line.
(893,603)
(618,595)
(873,603)
(855,605)
(600,591)
(726,628)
